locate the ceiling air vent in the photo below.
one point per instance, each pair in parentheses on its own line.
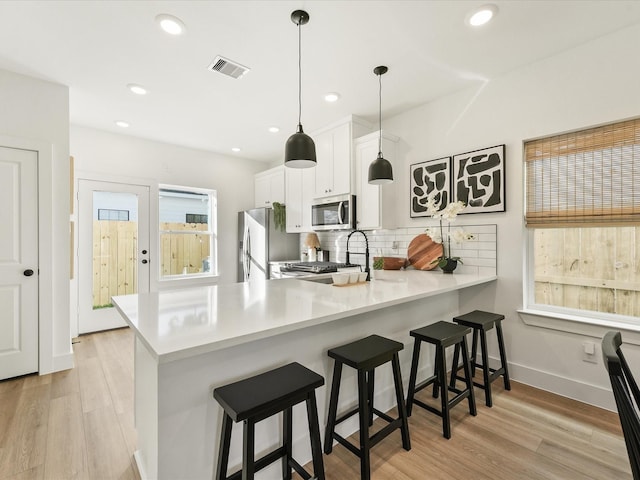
(227,67)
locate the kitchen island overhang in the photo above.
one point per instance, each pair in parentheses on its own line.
(190,341)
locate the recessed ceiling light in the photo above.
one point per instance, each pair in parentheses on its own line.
(170,24)
(332,97)
(137,89)
(274,129)
(235,149)
(122,124)
(482,15)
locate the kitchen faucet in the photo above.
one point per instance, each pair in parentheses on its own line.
(366,252)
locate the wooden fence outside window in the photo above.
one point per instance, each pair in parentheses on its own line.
(184,248)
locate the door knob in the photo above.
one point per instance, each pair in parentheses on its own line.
(28,272)
(145,261)
(144,252)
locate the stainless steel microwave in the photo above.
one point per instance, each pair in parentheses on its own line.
(334,213)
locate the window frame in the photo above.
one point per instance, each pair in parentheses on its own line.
(166,280)
(584,322)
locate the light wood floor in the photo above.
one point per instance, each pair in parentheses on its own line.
(79,424)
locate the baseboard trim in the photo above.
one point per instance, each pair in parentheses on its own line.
(63,362)
(566,387)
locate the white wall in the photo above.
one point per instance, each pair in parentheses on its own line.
(107,154)
(37,112)
(589,85)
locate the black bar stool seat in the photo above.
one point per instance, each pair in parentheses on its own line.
(442,335)
(365,355)
(259,397)
(481,322)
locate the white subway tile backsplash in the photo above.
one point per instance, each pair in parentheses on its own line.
(478,254)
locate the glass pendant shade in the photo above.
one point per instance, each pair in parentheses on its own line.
(300,151)
(380,171)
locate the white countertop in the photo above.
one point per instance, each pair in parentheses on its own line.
(182,323)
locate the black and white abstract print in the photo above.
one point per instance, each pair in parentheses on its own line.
(478,180)
(432,177)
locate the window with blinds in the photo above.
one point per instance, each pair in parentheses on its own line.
(585,178)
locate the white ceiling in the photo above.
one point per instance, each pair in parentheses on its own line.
(98,47)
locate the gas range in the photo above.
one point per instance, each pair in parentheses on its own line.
(315,267)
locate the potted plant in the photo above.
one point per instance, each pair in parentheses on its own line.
(446,262)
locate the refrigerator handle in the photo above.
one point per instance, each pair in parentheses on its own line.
(247,254)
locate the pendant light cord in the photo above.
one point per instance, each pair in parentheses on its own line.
(380,115)
(299,75)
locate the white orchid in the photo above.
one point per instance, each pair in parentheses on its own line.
(449,213)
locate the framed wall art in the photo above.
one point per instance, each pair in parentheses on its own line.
(430,177)
(478,180)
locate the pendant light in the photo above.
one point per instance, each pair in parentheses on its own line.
(300,151)
(380,170)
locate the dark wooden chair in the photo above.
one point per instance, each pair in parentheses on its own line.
(627,396)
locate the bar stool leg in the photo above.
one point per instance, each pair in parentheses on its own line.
(437,368)
(286,440)
(485,368)
(225,441)
(474,352)
(468,379)
(402,411)
(413,376)
(503,356)
(441,377)
(371,379)
(248,459)
(455,366)
(333,408)
(363,400)
(314,434)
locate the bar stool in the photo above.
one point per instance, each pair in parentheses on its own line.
(365,355)
(256,398)
(481,322)
(442,335)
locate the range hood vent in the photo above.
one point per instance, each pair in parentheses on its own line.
(227,67)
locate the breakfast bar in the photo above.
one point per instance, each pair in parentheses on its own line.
(192,340)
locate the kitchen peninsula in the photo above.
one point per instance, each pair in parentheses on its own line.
(192,340)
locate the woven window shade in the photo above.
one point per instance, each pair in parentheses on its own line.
(585,178)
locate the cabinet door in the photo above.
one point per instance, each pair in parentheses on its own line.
(269,187)
(324,167)
(262,185)
(293,183)
(276,186)
(376,204)
(300,185)
(368,196)
(342,144)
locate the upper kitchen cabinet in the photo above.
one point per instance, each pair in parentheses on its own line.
(334,153)
(299,188)
(269,187)
(376,204)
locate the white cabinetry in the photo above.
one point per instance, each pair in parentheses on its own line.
(334,153)
(269,187)
(375,204)
(299,186)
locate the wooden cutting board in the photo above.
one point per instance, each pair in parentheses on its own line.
(422,251)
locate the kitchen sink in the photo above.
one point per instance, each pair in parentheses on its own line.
(327,280)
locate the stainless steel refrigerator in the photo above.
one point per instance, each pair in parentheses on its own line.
(260,243)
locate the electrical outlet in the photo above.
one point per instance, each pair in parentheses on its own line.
(394,245)
(589,353)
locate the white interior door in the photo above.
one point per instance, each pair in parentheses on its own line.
(113,249)
(18,262)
